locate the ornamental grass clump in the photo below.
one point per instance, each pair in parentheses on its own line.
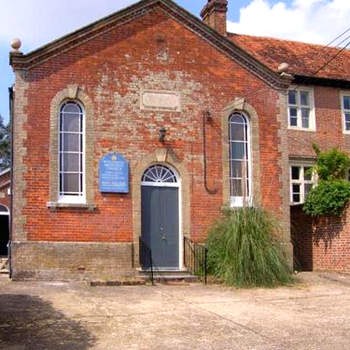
(243,250)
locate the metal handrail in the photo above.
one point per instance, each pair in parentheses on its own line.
(146,251)
(196,258)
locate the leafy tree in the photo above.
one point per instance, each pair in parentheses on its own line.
(331,165)
(5,146)
(332,192)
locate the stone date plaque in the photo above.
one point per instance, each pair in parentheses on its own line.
(161,100)
(114,174)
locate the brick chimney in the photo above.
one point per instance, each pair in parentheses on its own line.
(214,14)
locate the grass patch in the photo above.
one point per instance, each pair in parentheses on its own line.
(244,251)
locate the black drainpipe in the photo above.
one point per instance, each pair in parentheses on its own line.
(207,118)
(11,99)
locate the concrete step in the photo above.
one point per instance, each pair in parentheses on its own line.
(162,276)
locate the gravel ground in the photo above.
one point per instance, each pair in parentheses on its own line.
(313,314)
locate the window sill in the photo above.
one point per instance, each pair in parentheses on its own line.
(300,129)
(59,205)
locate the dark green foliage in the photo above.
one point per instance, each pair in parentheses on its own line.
(328,198)
(331,165)
(243,249)
(332,192)
(5,148)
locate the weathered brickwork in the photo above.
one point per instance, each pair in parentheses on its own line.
(321,244)
(152,52)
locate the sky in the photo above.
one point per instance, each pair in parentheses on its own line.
(37,22)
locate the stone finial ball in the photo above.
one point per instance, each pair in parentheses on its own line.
(16,44)
(283,67)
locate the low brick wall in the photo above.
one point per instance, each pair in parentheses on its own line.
(71,261)
(321,244)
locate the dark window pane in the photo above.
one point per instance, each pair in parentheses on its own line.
(71,142)
(307,176)
(293,122)
(304,98)
(295,173)
(296,188)
(347,126)
(237,150)
(347,117)
(236,188)
(293,112)
(305,117)
(237,118)
(71,122)
(71,162)
(296,198)
(346,102)
(71,183)
(237,132)
(71,108)
(236,168)
(292,97)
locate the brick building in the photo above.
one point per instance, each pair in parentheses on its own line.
(5,204)
(145,123)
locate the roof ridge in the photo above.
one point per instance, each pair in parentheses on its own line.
(285,40)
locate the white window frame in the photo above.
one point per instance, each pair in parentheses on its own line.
(343,111)
(238,201)
(69,199)
(312,120)
(301,181)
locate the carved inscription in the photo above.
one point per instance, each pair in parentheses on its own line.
(161,100)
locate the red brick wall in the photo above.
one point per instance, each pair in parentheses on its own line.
(328,125)
(113,67)
(321,244)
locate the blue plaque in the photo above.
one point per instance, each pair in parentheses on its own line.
(114,174)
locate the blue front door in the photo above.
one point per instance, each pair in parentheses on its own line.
(160,225)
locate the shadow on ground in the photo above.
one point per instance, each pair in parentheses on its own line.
(29,322)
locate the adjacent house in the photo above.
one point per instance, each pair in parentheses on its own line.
(5,201)
(137,129)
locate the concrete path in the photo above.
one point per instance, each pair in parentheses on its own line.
(314,314)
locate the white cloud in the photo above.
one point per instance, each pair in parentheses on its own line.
(37,22)
(317,21)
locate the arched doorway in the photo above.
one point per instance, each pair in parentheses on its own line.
(160,216)
(4,229)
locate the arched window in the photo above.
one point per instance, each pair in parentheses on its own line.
(3,210)
(159,175)
(71,147)
(240,186)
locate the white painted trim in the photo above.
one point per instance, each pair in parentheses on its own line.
(312,121)
(235,201)
(342,94)
(301,181)
(72,199)
(178,185)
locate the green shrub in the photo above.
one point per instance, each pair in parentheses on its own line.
(331,165)
(331,194)
(328,198)
(243,249)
